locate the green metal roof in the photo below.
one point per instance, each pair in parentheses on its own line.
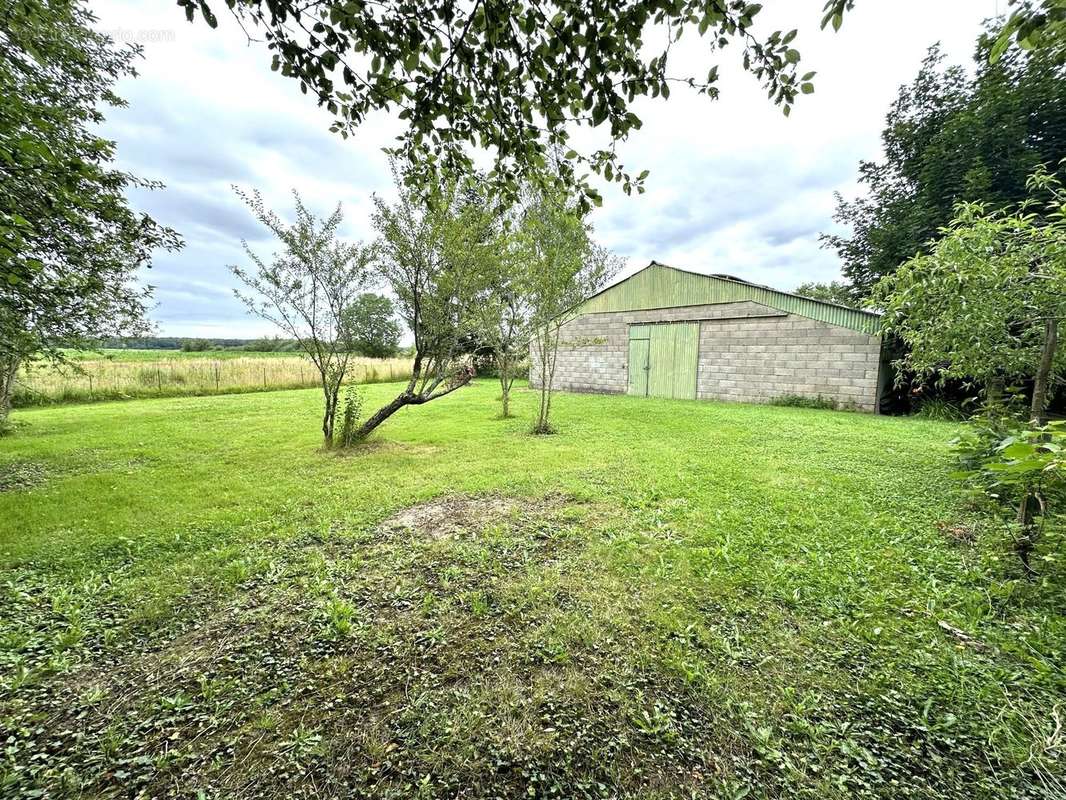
(660,286)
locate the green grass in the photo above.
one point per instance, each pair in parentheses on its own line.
(665,599)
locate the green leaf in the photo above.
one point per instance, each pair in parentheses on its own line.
(1019,450)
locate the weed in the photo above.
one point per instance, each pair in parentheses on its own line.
(939,409)
(804,401)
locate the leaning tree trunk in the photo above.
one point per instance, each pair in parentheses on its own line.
(409,397)
(386,411)
(9,368)
(1038,416)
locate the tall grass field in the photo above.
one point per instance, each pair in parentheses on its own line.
(130,374)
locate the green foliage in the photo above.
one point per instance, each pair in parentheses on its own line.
(431,253)
(982,303)
(351,411)
(1034,25)
(803,401)
(939,409)
(509,78)
(951,137)
(562,265)
(504,312)
(1014,465)
(270,344)
(140,344)
(307,290)
(371,327)
(70,244)
(832,292)
(195,345)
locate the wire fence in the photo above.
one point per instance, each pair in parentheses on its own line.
(107,379)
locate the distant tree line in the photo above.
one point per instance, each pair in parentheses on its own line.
(375,334)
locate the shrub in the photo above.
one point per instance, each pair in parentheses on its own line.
(1019,468)
(801,401)
(353,410)
(939,409)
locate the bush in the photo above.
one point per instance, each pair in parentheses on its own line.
(800,401)
(1018,469)
(939,410)
(353,410)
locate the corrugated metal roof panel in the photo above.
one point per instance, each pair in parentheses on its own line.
(661,286)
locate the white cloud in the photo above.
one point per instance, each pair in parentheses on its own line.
(734,186)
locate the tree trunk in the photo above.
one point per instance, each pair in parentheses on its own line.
(1038,409)
(383,413)
(9,368)
(994,391)
(329,415)
(544,354)
(505,396)
(549,361)
(503,366)
(1027,532)
(409,398)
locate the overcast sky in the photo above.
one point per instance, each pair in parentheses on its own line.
(734,186)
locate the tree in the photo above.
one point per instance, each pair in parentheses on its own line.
(832,292)
(70,245)
(951,138)
(985,303)
(504,316)
(509,77)
(563,266)
(1034,25)
(431,254)
(371,326)
(307,290)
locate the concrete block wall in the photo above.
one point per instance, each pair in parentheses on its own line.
(758,360)
(747,352)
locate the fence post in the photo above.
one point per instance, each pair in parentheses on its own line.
(159,379)
(90,386)
(216,376)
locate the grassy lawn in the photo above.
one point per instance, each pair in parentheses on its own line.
(667,599)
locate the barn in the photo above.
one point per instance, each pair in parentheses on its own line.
(668,332)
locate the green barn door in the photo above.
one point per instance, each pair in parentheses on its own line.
(672,356)
(638,359)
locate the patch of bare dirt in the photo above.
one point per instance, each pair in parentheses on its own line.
(445,517)
(958,532)
(384,446)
